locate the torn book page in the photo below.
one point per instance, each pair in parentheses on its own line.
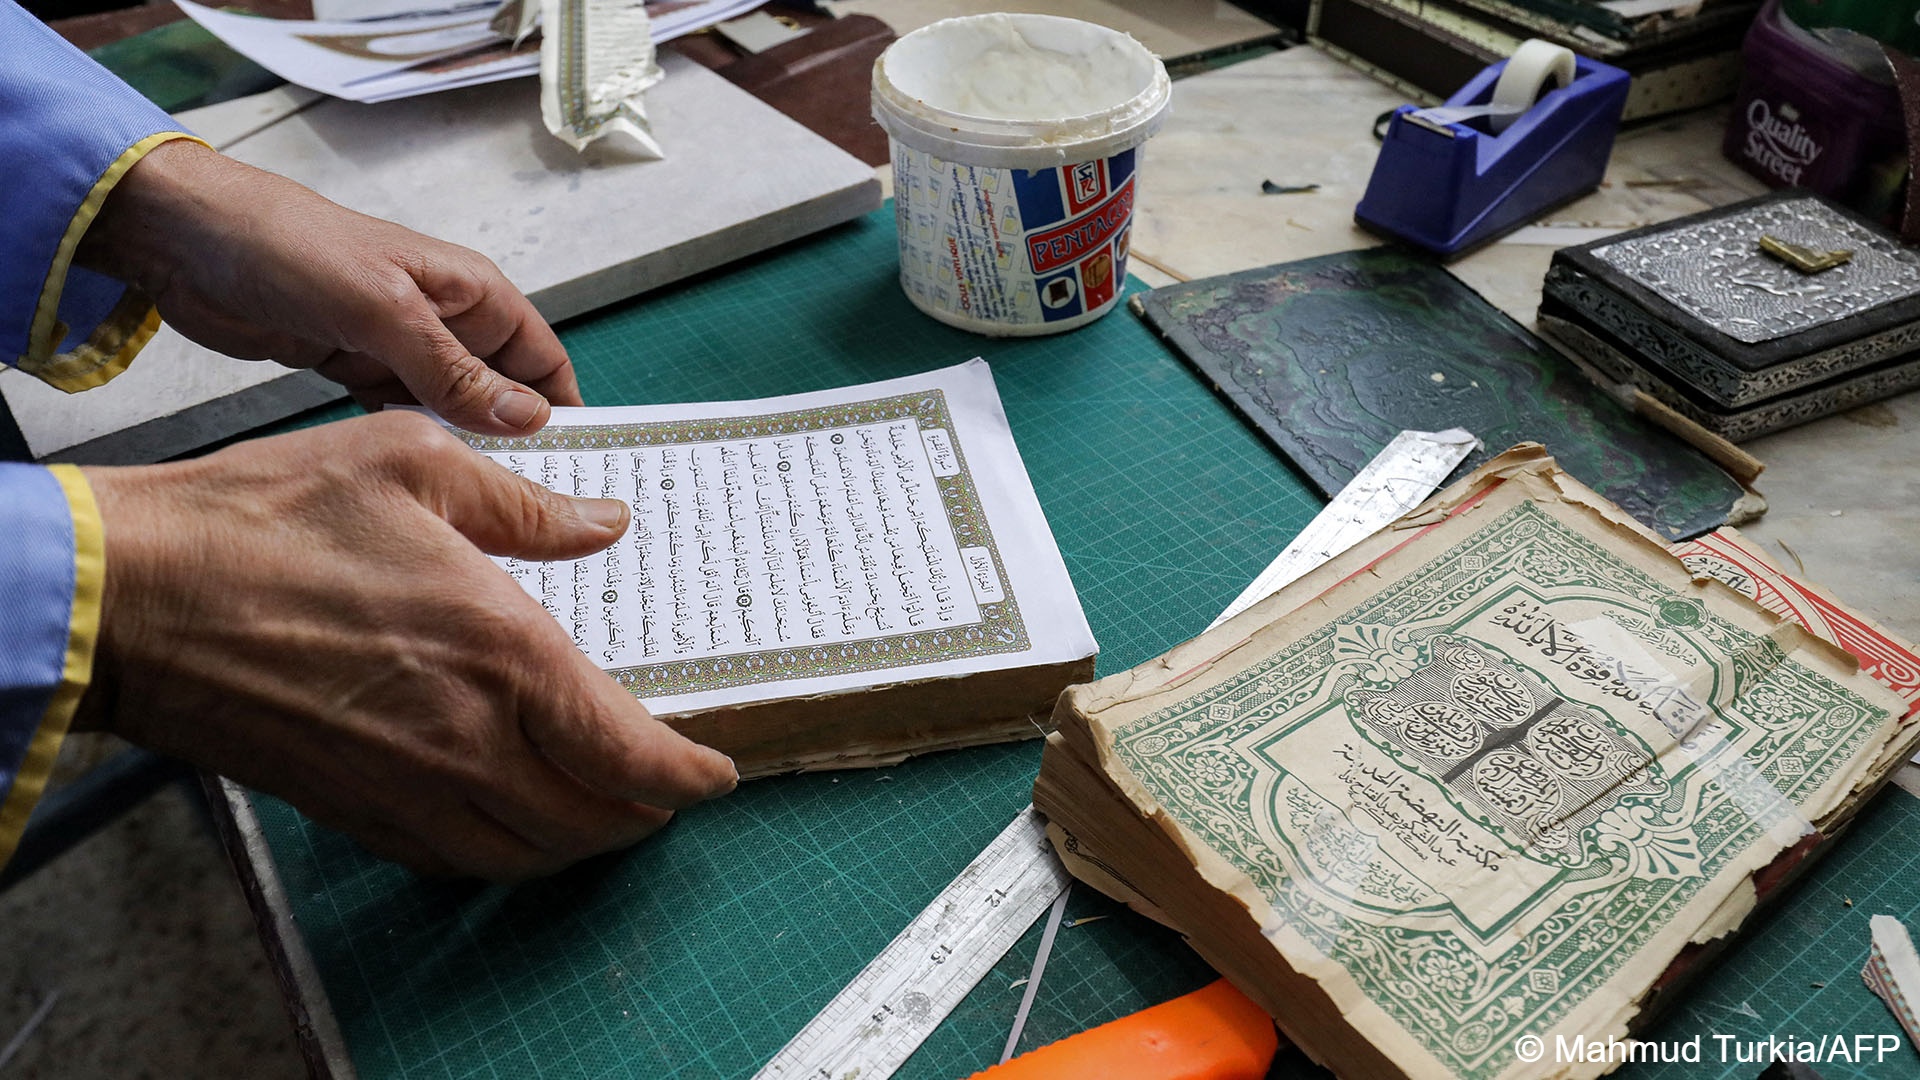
(1893,973)
(596,63)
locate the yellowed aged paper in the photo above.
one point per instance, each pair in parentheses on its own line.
(1491,786)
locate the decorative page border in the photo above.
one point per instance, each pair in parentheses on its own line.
(1001,629)
(1465,1009)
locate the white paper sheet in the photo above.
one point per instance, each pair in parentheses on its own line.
(672,20)
(373,61)
(1634,9)
(403,56)
(804,544)
(358,10)
(596,64)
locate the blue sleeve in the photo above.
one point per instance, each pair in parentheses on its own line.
(51,573)
(69,130)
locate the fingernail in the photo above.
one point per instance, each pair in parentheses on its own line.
(516,408)
(606,513)
(734,773)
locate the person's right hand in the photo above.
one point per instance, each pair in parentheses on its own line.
(312,615)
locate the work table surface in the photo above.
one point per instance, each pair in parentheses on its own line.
(1842,496)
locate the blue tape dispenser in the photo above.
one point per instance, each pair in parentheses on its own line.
(1522,137)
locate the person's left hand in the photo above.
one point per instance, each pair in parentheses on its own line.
(259,267)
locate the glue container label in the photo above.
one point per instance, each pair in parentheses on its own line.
(1013,247)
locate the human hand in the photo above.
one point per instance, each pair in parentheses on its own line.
(312,615)
(259,267)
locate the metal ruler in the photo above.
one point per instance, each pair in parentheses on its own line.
(880,1018)
(889,1009)
(1398,479)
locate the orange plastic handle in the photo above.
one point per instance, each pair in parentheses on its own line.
(1214,1033)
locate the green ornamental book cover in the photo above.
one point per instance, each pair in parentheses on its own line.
(1489,788)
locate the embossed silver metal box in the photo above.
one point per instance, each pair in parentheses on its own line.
(1695,313)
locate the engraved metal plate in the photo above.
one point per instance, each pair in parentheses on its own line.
(1715,271)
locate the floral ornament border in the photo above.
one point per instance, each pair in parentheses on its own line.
(1469,1020)
(1001,628)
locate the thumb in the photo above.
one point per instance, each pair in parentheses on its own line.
(445,377)
(594,729)
(509,515)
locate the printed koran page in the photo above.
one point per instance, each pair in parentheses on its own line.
(803,545)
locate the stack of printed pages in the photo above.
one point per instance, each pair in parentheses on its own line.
(1508,770)
(822,580)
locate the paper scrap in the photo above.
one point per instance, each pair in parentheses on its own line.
(1398,479)
(1893,972)
(1640,9)
(516,19)
(372,61)
(405,55)
(596,62)
(358,10)
(758,32)
(1556,236)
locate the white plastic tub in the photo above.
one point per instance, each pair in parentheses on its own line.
(1016,144)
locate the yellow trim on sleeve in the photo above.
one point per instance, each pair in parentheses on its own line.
(133,321)
(83,632)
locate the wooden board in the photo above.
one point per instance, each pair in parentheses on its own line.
(477,167)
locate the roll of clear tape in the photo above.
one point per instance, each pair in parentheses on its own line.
(1528,71)
(1521,83)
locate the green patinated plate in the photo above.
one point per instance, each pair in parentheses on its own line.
(1332,357)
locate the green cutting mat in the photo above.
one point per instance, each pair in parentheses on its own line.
(1796,973)
(700,952)
(182,66)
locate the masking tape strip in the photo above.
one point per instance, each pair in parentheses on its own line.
(1703,740)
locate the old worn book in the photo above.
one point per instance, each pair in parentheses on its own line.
(1508,770)
(1612,28)
(1740,564)
(1333,356)
(1430,48)
(1696,312)
(816,581)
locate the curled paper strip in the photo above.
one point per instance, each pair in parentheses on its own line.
(1893,972)
(515,19)
(596,62)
